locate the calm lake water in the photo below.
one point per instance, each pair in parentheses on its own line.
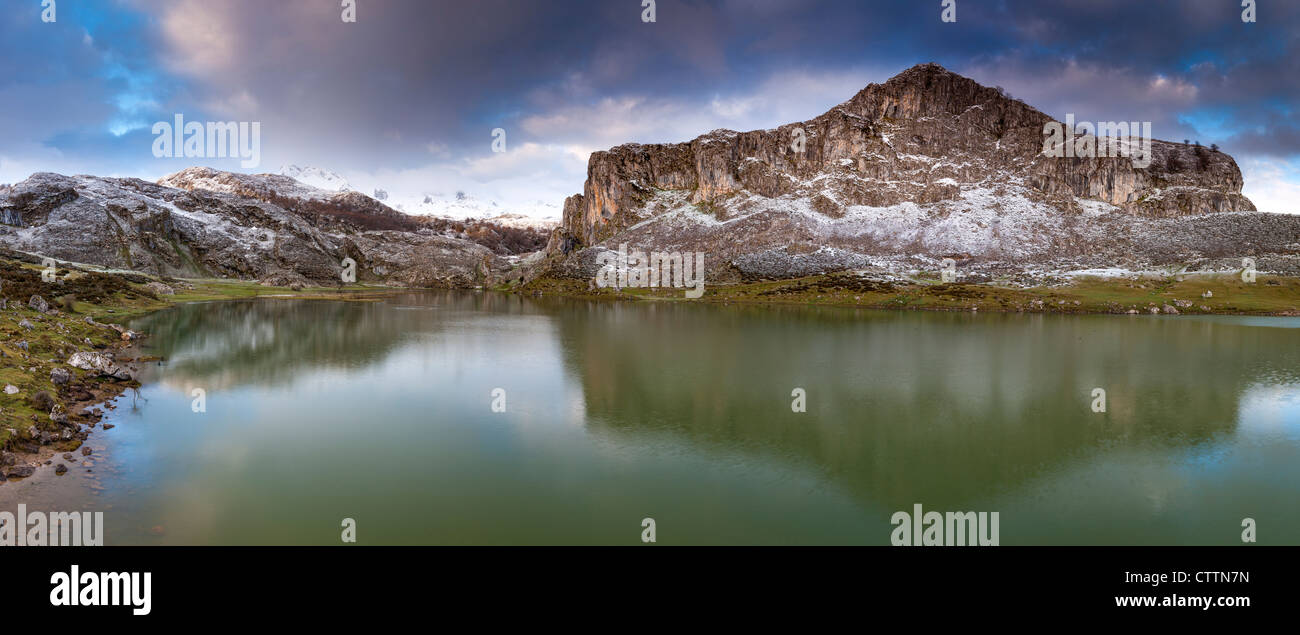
(318,411)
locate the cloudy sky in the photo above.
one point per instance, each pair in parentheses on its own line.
(406,98)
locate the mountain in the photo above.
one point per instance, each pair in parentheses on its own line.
(320,184)
(207,223)
(316,177)
(343,207)
(520,221)
(461,205)
(925,166)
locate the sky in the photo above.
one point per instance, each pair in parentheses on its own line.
(407,97)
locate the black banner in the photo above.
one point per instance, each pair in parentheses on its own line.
(1124,584)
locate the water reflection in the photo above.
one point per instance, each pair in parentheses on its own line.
(618,411)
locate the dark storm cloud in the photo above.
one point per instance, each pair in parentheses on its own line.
(415,82)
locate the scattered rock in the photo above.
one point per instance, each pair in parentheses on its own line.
(160,289)
(19,471)
(1170,310)
(60,376)
(109,426)
(60,469)
(11,389)
(85,450)
(39,303)
(1207,294)
(25,324)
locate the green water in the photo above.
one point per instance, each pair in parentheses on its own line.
(318,411)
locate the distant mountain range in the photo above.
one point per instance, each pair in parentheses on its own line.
(316,177)
(540,215)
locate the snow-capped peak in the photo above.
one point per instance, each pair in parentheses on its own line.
(461,205)
(316,177)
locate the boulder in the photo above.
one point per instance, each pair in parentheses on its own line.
(60,376)
(159,288)
(39,303)
(19,471)
(101,363)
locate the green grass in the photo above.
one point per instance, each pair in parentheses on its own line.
(115,300)
(1269,295)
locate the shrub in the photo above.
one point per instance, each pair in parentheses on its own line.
(42,401)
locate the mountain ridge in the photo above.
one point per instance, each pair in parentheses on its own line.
(924,112)
(926,165)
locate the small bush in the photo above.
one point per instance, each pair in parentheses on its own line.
(42,401)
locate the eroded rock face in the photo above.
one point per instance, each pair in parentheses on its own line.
(925,136)
(207,223)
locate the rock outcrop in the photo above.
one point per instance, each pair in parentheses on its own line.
(926,165)
(919,137)
(207,223)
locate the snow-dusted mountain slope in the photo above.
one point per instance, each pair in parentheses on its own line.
(316,177)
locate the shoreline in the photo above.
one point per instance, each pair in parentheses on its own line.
(1271,296)
(32,438)
(62,368)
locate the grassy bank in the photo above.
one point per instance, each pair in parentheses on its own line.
(86,312)
(1185,294)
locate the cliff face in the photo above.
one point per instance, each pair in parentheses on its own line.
(925,136)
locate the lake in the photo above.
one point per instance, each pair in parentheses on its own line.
(383,412)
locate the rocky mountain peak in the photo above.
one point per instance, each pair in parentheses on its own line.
(926,137)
